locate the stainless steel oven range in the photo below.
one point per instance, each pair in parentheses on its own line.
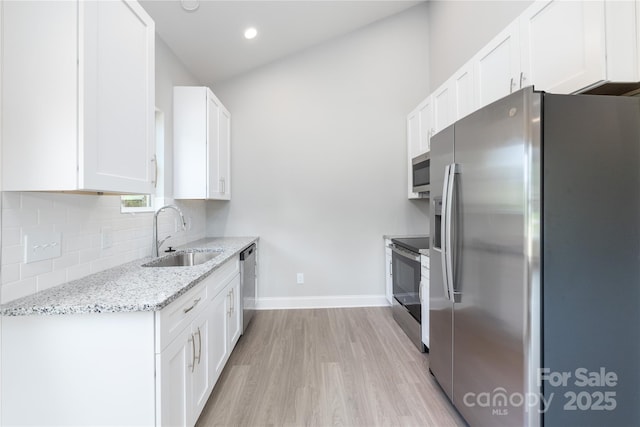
(405,268)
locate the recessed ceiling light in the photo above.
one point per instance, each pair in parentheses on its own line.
(250,33)
(190,5)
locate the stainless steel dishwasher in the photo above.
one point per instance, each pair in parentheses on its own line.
(248,282)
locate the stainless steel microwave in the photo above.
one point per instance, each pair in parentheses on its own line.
(420,173)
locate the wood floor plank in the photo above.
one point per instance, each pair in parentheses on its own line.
(327,367)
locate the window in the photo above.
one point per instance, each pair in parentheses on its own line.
(136,203)
(145,202)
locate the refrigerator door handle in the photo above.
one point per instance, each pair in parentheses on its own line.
(443,232)
(448,256)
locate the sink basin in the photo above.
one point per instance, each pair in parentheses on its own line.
(184,259)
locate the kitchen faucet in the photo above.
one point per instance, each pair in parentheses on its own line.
(157,243)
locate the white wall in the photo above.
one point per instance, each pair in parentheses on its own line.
(459,29)
(319,160)
(81,218)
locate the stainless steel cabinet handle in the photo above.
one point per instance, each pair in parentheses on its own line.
(193,353)
(155,176)
(443,232)
(199,345)
(229,311)
(511,85)
(233,300)
(195,302)
(521,78)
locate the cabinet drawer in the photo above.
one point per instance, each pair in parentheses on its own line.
(173,318)
(221,277)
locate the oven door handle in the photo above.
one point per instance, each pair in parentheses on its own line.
(406,254)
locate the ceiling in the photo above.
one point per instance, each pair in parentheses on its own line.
(210,41)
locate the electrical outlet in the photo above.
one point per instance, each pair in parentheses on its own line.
(39,246)
(107,237)
(300,278)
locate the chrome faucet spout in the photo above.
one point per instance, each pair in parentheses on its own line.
(157,243)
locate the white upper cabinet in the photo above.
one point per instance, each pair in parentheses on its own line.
(419,131)
(571,46)
(563,44)
(78,97)
(442,107)
(425,113)
(201,145)
(497,66)
(462,86)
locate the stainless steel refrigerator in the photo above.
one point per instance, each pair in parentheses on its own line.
(535,261)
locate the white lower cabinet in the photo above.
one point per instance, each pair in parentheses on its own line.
(388,274)
(176,382)
(225,314)
(235,313)
(219,338)
(132,368)
(192,363)
(424,298)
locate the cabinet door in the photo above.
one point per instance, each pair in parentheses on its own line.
(235,318)
(497,66)
(224,153)
(201,383)
(218,334)
(463,95)
(424,298)
(387,269)
(563,45)
(413,148)
(176,362)
(117,97)
(190,153)
(214,185)
(426,113)
(442,108)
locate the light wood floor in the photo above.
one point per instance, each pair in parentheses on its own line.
(326,367)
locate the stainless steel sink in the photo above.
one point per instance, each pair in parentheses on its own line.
(184,259)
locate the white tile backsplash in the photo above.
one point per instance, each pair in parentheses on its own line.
(81,219)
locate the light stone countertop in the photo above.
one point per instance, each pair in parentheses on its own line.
(128,287)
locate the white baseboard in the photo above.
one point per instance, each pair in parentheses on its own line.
(284,303)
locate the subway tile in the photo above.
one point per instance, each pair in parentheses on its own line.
(49,280)
(12,254)
(10,273)
(35,268)
(66,260)
(78,271)
(19,217)
(15,290)
(10,200)
(52,216)
(88,255)
(36,201)
(11,236)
